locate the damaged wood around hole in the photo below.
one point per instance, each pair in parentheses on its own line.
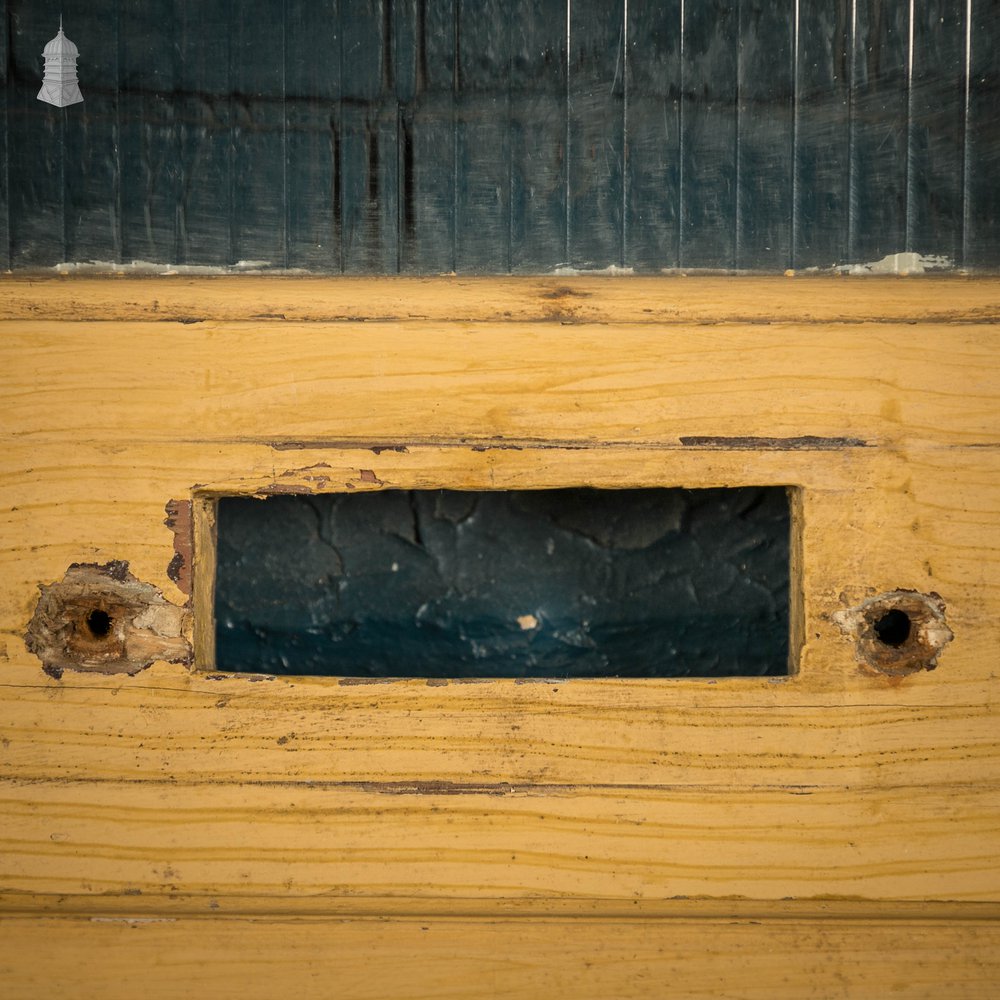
(898,633)
(101,619)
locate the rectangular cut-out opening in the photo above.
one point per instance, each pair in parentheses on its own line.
(581,582)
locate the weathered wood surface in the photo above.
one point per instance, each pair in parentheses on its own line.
(805,299)
(178,792)
(755,958)
(472,842)
(499,137)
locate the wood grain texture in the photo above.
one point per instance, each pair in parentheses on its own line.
(179,792)
(367,959)
(701,301)
(380,137)
(472,842)
(423,958)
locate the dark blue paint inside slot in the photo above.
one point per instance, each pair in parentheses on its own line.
(526,583)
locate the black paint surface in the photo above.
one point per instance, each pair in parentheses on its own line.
(493,136)
(631,583)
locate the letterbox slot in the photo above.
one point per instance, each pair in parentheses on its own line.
(560,583)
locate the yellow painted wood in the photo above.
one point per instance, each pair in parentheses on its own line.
(882,506)
(178,791)
(475,843)
(576,959)
(168,726)
(421,382)
(601,299)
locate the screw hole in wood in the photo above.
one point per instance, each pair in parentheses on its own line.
(897,633)
(99,623)
(893,628)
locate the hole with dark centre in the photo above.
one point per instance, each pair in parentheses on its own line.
(99,624)
(893,628)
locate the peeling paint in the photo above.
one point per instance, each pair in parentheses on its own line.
(438,787)
(806,442)
(278,488)
(340,445)
(180,522)
(309,475)
(101,619)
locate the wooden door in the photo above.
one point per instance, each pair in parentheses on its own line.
(169,827)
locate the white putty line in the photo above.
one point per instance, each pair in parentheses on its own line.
(900,263)
(151,267)
(895,263)
(571,271)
